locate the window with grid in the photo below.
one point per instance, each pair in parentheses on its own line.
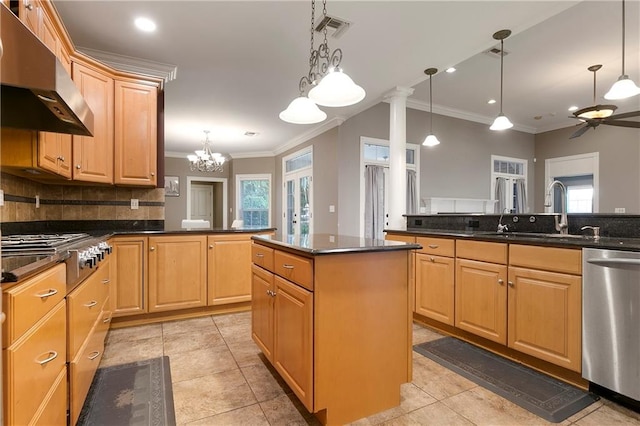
(253,193)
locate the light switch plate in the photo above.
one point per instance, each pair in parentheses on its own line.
(134,204)
(1,197)
(619,210)
(332,208)
(37,201)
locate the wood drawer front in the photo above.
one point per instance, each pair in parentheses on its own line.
(27,382)
(554,259)
(26,303)
(53,410)
(438,246)
(82,370)
(482,251)
(85,307)
(294,268)
(262,256)
(400,237)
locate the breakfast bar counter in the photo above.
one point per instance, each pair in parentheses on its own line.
(332,315)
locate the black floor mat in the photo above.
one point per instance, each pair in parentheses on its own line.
(134,394)
(542,395)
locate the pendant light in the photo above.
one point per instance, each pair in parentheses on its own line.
(205,160)
(624,87)
(501,122)
(431,139)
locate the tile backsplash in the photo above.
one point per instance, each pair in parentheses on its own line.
(76,203)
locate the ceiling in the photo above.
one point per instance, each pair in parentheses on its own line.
(239,62)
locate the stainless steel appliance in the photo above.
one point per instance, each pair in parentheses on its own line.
(37,92)
(24,254)
(611,320)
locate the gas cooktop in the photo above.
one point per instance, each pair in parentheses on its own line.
(38,244)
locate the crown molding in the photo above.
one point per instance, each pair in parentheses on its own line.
(463,115)
(167,72)
(312,133)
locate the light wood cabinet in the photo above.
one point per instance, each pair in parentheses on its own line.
(136,117)
(293,338)
(411,266)
(30,13)
(129,284)
(326,322)
(545,304)
(262,305)
(228,268)
(177,272)
(93,156)
(435,271)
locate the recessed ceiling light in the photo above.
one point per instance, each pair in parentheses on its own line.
(573,108)
(450,70)
(145,24)
(251,134)
(491,101)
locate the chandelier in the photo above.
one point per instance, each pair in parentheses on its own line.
(330,86)
(205,160)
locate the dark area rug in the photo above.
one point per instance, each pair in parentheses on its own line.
(138,393)
(542,395)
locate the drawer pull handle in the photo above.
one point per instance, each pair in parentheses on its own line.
(433,246)
(91,304)
(432,259)
(259,255)
(500,281)
(52,355)
(106,281)
(94,355)
(106,320)
(510,283)
(51,292)
(285,266)
(271,293)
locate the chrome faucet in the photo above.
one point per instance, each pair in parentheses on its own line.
(563,225)
(502,228)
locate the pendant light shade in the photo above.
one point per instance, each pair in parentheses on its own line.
(303,110)
(624,87)
(431,139)
(336,89)
(501,122)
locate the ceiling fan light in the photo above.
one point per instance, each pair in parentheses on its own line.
(501,123)
(431,140)
(596,111)
(302,110)
(622,89)
(336,89)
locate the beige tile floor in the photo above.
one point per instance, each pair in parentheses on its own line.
(220,378)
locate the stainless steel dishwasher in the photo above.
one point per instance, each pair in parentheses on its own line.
(611,320)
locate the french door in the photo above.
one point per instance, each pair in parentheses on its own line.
(298,213)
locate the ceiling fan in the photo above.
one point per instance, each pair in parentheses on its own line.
(595,115)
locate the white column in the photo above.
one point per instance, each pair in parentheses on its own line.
(397,99)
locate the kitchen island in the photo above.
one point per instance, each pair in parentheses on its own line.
(332,314)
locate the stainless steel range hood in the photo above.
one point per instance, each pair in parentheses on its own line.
(37,92)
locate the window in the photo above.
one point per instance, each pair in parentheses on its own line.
(508,184)
(375,153)
(253,195)
(580,199)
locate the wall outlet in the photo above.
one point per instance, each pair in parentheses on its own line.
(134,204)
(619,210)
(37,201)
(332,208)
(1,197)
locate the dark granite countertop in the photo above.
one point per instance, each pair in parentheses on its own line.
(323,244)
(189,231)
(531,238)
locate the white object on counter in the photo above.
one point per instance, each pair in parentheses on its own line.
(195,224)
(237,224)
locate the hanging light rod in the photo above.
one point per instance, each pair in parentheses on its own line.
(501,122)
(595,111)
(624,87)
(431,139)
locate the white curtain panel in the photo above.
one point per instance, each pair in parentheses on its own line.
(374,202)
(412,197)
(521,196)
(500,195)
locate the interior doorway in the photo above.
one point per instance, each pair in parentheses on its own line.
(207,200)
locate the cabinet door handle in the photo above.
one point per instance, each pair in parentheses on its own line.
(91,304)
(29,6)
(51,356)
(94,355)
(285,266)
(510,283)
(106,320)
(433,246)
(51,292)
(106,281)
(152,248)
(259,255)
(78,166)
(500,281)
(211,246)
(153,174)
